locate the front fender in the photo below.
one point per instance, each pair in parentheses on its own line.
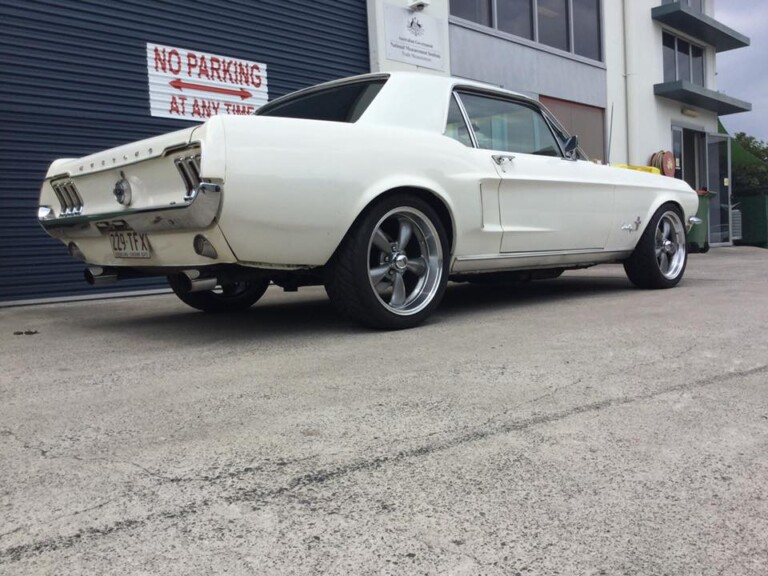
(638,201)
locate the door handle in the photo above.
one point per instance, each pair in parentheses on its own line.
(502,159)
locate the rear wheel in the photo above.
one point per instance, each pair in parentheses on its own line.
(660,256)
(229,297)
(391,270)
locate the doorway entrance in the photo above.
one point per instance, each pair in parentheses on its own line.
(704,161)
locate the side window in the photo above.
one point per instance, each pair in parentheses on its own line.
(509,126)
(455,127)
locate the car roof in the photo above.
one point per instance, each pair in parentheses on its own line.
(420,101)
(414,100)
(422,77)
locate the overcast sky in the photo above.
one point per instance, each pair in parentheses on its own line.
(743,73)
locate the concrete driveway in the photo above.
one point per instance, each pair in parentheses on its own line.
(573,426)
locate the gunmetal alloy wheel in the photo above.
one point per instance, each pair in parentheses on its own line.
(391,269)
(405,261)
(670,245)
(660,256)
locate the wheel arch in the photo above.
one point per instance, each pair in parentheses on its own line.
(662,201)
(436,201)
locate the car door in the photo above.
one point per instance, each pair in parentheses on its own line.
(547,202)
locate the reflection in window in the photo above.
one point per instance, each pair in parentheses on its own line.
(509,126)
(479,11)
(515,17)
(455,127)
(553,23)
(586,28)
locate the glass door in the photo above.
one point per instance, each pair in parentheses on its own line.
(719,183)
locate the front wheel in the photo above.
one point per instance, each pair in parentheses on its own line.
(391,269)
(230,297)
(660,256)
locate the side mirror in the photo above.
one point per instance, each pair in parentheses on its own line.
(570,147)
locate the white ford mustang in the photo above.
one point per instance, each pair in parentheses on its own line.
(381,187)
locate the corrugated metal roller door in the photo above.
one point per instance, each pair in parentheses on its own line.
(74,81)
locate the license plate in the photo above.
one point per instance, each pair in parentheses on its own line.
(129,244)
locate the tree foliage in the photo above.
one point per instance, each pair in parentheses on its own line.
(750,162)
(757,148)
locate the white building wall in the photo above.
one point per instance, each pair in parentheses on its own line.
(435,14)
(634,61)
(616,87)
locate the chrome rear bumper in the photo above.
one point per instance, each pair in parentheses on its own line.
(196,213)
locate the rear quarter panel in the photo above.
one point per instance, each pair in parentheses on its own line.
(294,187)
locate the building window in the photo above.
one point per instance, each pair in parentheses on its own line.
(570,25)
(682,60)
(553,23)
(480,11)
(586,28)
(515,17)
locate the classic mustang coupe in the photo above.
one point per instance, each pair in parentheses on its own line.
(380,187)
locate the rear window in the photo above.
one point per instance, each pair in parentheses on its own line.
(344,103)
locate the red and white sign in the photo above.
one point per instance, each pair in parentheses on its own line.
(196,85)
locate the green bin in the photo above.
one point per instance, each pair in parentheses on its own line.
(754,216)
(698,237)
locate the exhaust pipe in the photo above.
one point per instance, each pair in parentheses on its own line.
(203,284)
(98,276)
(191,282)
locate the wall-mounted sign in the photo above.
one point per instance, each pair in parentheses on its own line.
(414,37)
(196,85)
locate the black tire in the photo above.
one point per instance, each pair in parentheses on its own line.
(661,255)
(229,298)
(379,283)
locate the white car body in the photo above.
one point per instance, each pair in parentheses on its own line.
(282,193)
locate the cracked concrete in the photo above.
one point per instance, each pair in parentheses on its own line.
(575,426)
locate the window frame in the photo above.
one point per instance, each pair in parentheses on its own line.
(464,117)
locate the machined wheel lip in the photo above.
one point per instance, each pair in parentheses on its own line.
(670,245)
(418,263)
